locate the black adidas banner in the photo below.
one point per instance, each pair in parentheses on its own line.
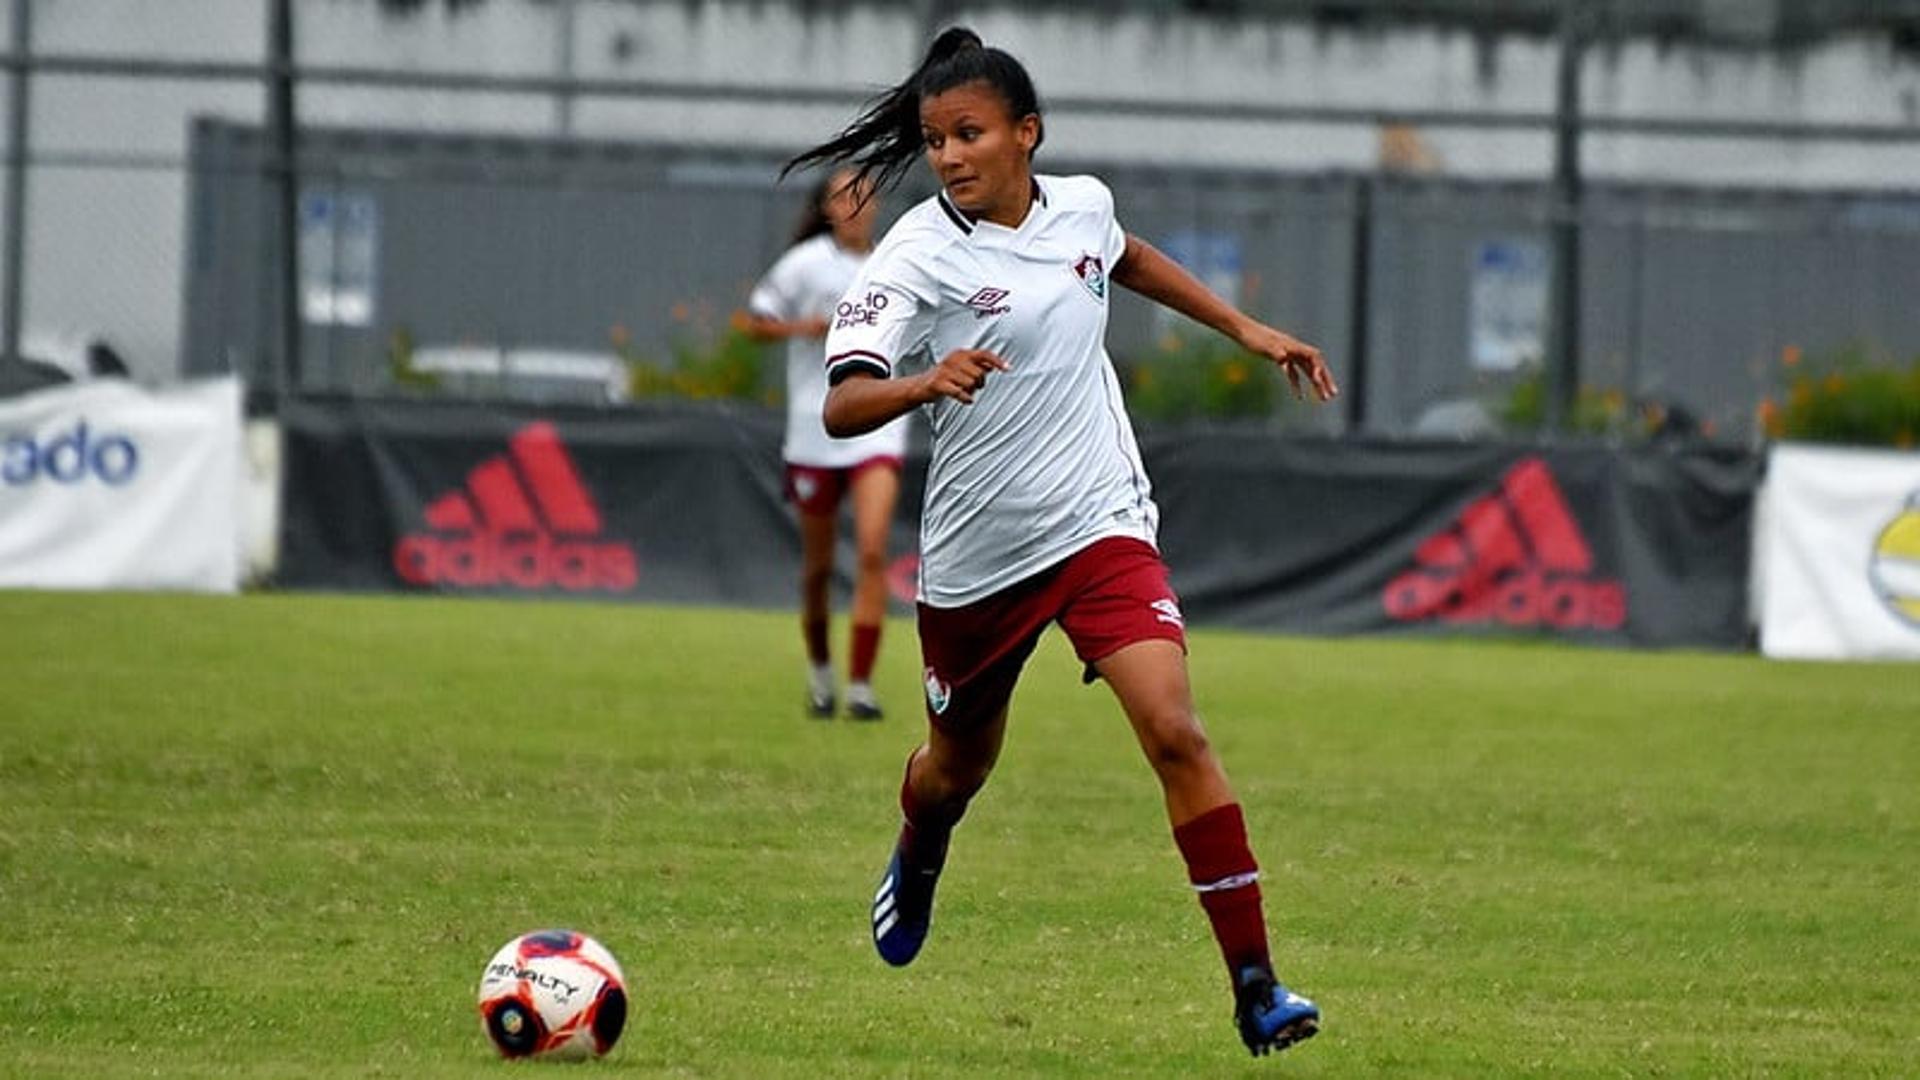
(682,503)
(1645,545)
(674,505)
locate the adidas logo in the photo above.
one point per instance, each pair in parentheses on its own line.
(523,521)
(1515,557)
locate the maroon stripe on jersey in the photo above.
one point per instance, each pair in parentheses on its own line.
(502,504)
(555,483)
(953,213)
(841,365)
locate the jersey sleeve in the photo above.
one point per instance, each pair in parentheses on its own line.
(1116,237)
(886,315)
(777,294)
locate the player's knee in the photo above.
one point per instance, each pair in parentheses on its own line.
(955,783)
(1176,742)
(873,560)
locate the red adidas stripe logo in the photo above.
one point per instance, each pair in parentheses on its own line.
(524,520)
(1516,557)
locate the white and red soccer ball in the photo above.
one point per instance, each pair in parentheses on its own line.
(553,993)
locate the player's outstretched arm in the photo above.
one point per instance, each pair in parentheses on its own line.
(764,328)
(1145,270)
(862,402)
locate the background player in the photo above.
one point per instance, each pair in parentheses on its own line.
(1037,508)
(793,303)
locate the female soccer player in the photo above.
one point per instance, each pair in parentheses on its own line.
(793,303)
(1037,509)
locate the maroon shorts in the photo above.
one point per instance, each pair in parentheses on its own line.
(816,490)
(1105,596)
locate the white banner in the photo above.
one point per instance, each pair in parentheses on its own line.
(106,485)
(1840,544)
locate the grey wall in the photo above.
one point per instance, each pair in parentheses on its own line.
(105,243)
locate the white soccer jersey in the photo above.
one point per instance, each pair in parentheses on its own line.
(807,282)
(1044,462)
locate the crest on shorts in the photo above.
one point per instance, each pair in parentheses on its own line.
(939,694)
(1092,273)
(805,486)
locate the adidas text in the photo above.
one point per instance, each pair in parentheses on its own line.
(533,562)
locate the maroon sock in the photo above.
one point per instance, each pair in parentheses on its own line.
(866,646)
(925,828)
(1222,870)
(815,631)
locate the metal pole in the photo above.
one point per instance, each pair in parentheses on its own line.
(283,183)
(16,210)
(1360,305)
(1563,329)
(563,96)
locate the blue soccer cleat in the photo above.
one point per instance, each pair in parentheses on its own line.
(1270,1016)
(903,910)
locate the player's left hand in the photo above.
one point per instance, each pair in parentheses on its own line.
(1295,357)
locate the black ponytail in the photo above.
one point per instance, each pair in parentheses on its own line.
(883,141)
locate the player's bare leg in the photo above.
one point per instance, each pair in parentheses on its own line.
(874,492)
(1150,679)
(943,775)
(816,578)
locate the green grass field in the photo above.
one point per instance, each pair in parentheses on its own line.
(278,836)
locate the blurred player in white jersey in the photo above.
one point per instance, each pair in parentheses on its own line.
(985,307)
(793,303)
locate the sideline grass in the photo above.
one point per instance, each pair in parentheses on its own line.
(277,836)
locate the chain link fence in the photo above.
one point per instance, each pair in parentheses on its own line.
(492,235)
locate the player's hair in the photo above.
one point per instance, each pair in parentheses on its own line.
(814,219)
(883,141)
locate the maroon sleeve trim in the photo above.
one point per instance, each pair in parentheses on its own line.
(844,364)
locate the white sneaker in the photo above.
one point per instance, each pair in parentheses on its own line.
(820,700)
(861,704)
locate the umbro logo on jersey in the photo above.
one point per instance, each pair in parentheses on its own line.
(1092,273)
(522,521)
(989,301)
(1515,557)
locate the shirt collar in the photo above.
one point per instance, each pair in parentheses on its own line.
(967,223)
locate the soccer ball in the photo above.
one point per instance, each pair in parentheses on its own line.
(553,993)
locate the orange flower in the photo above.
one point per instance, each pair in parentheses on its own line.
(1790,356)
(681,312)
(1235,373)
(619,335)
(1834,383)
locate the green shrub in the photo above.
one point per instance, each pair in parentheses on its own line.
(1850,397)
(400,363)
(1190,377)
(724,367)
(1596,410)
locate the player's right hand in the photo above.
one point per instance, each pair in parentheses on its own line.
(960,375)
